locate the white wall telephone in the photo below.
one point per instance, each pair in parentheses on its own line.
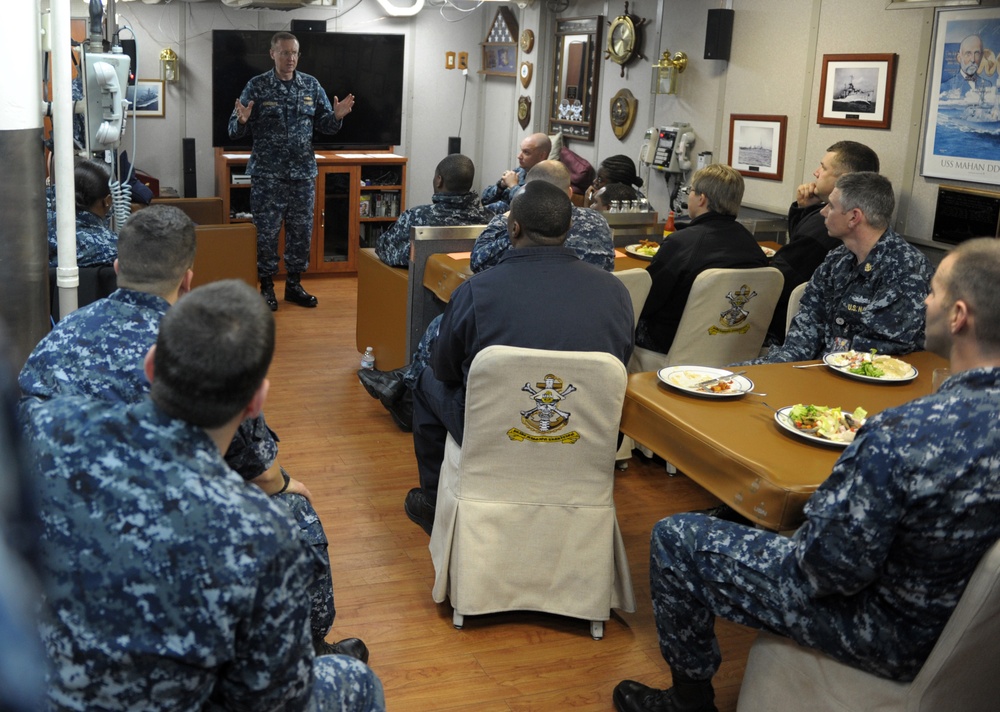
(106,78)
(668,148)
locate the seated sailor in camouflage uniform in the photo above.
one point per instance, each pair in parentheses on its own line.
(867,293)
(533,149)
(98,350)
(172,583)
(589,237)
(453,203)
(96,244)
(890,540)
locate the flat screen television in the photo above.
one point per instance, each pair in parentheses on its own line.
(368,66)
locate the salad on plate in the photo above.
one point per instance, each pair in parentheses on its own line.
(869,364)
(828,423)
(646,248)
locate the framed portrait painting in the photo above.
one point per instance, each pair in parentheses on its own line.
(757,145)
(146,97)
(856,90)
(962,129)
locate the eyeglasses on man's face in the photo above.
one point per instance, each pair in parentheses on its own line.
(286,54)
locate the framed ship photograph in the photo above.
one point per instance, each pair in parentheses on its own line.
(757,145)
(856,90)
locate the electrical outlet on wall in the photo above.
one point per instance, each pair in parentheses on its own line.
(463,60)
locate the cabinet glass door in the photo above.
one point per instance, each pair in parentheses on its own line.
(335,248)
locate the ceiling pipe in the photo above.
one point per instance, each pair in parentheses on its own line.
(395,11)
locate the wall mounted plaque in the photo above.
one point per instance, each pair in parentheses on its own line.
(524,111)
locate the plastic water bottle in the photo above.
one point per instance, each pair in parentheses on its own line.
(368,359)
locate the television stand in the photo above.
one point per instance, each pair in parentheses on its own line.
(359,195)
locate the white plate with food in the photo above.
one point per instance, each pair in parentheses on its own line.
(692,379)
(645,250)
(820,424)
(866,366)
(768,251)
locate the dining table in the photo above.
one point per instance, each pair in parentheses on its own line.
(445,271)
(735,447)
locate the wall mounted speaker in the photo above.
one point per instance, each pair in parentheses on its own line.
(190,174)
(719,34)
(308,26)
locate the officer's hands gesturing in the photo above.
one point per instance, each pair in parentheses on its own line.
(343,108)
(243,112)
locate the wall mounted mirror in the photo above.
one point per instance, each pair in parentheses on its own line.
(574,77)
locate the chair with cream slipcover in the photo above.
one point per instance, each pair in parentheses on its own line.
(525,516)
(637,281)
(960,673)
(725,320)
(794,299)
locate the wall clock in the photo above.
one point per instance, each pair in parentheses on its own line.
(623,106)
(624,39)
(527,41)
(524,111)
(525,72)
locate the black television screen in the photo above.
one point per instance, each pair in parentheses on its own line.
(368,66)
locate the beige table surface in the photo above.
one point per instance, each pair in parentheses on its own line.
(734,448)
(444,272)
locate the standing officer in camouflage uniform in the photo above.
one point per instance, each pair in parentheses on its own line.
(97,351)
(867,293)
(172,584)
(589,237)
(889,540)
(289,105)
(453,203)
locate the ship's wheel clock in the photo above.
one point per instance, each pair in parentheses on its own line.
(624,38)
(623,106)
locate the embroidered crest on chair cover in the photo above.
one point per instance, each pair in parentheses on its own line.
(546,417)
(730,319)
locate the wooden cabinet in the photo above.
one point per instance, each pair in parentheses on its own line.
(358,197)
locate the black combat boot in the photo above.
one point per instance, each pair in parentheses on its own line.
(295,294)
(267,291)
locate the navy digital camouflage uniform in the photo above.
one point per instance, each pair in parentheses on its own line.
(22,660)
(393,245)
(877,304)
(498,201)
(589,237)
(282,163)
(96,244)
(98,351)
(872,576)
(172,584)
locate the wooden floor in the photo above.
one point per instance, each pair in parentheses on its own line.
(359,466)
